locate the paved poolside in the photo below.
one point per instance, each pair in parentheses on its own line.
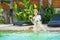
(10,27)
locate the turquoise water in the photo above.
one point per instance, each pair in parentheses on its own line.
(30,36)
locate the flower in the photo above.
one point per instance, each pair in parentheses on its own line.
(35,6)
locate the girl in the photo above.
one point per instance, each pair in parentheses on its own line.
(36,20)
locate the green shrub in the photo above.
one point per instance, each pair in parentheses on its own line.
(1,20)
(47,12)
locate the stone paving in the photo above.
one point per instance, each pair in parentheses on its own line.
(11,27)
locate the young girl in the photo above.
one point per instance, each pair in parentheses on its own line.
(37,21)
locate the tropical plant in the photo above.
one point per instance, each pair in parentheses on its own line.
(47,12)
(1,19)
(28,6)
(23,14)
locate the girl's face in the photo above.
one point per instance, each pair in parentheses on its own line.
(35,13)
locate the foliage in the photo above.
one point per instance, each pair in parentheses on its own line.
(57,12)
(47,17)
(15,7)
(28,7)
(23,14)
(1,20)
(1,10)
(47,11)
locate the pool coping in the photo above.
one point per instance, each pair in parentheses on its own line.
(11,28)
(27,31)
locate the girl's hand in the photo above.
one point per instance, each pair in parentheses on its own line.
(30,17)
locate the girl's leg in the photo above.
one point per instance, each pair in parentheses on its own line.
(41,27)
(35,27)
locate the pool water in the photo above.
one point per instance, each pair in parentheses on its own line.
(29,36)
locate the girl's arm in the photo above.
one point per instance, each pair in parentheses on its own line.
(31,19)
(39,17)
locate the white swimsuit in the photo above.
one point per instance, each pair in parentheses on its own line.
(37,22)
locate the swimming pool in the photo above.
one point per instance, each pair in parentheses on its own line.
(30,36)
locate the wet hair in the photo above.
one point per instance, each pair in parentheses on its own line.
(36,11)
